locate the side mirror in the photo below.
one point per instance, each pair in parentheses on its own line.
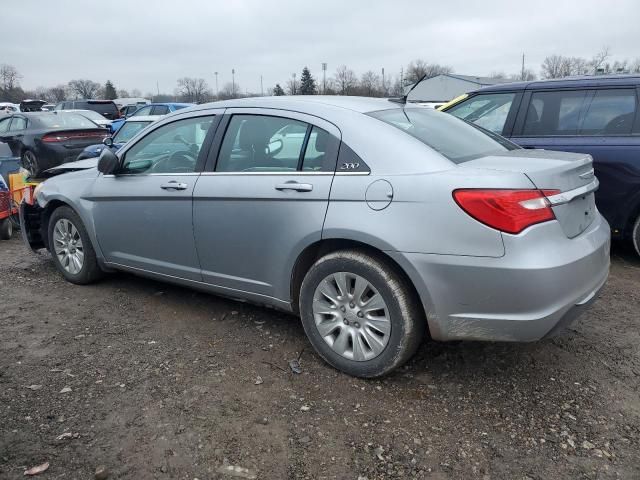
(108,142)
(108,162)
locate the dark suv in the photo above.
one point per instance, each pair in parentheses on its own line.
(598,115)
(106,108)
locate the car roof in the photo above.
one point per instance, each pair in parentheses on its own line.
(295,102)
(581,81)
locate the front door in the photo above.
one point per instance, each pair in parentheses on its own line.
(263,198)
(143,213)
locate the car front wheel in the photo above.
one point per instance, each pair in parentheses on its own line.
(360,315)
(71,247)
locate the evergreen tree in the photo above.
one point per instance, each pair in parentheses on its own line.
(307,83)
(110,91)
(278,91)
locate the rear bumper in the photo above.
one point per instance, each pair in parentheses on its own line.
(542,283)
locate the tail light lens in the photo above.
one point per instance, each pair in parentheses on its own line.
(509,211)
(66,136)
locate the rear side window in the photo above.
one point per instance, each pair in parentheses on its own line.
(256,143)
(554,113)
(142,111)
(102,107)
(610,112)
(320,154)
(19,123)
(488,111)
(160,110)
(451,137)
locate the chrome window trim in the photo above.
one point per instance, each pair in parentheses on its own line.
(291,173)
(566,197)
(186,174)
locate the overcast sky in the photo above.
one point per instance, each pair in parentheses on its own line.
(135,43)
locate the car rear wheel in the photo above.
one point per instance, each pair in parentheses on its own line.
(359,314)
(635,235)
(30,162)
(6,229)
(71,247)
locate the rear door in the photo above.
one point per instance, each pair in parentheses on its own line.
(263,198)
(143,213)
(15,135)
(602,122)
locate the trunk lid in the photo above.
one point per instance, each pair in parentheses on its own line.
(76,139)
(569,173)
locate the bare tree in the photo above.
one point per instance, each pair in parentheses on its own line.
(193,90)
(419,68)
(370,84)
(122,93)
(136,93)
(599,59)
(84,88)
(57,94)
(345,80)
(635,66)
(9,77)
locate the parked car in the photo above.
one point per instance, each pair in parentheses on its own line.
(30,105)
(106,108)
(129,129)
(7,108)
(152,109)
(95,117)
(48,107)
(597,115)
(45,139)
(379,221)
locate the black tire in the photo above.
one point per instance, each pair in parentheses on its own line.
(407,317)
(90,271)
(6,229)
(635,235)
(30,163)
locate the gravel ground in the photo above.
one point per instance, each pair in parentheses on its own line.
(156,381)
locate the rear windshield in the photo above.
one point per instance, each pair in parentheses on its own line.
(100,107)
(128,130)
(65,120)
(455,139)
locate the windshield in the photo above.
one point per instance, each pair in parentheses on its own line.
(453,138)
(65,120)
(128,130)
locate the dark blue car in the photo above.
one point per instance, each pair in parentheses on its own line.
(128,130)
(156,109)
(598,115)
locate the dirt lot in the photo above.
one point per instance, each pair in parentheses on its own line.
(166,383)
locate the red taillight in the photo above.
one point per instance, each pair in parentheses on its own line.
(509,211)
(66,136)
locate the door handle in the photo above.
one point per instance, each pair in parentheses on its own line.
(298,187)
(173,185)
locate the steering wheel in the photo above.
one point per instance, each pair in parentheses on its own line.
(182,161)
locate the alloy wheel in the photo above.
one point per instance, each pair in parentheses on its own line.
(351,316)
(68,247)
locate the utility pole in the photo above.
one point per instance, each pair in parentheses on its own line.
(402,80)
(158,87)
(217,94)
(294,85)
(384,90)
(233,83)
(522,72)
(324,78)
(261,87)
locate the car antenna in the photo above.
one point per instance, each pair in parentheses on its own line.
(403,99)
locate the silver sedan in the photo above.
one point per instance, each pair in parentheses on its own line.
(375,222)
